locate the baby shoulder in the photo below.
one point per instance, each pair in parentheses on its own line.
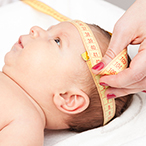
(22,131)
(19,109)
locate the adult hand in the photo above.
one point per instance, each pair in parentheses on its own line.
(130,29)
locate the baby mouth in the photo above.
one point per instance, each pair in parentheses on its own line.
(20,42)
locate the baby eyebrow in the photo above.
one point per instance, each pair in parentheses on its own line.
(50,27)
(62,34)
(65,36)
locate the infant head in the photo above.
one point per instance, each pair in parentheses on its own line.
(49,67)
(93,116)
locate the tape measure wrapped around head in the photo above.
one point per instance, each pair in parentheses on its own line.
(92,55)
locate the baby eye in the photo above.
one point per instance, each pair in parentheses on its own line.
(57,41)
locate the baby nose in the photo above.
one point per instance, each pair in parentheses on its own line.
(36,31)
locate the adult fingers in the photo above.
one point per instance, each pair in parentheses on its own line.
(135,73)
(140,85)
(123,79)
(119,41)
(118,92)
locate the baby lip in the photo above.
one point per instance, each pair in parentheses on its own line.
(20,42)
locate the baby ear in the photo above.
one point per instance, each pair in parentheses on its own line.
(71,102)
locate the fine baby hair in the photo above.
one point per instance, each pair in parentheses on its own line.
(92,117)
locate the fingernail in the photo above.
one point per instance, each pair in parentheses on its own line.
(98,66)
(103,84)
(144,91)
(110,96)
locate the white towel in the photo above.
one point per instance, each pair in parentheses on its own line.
(125,130)
(4,2)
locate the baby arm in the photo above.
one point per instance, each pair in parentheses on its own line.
(22,132)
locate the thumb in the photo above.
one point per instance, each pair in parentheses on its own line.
(117,43)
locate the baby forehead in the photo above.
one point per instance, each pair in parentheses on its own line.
(63,26)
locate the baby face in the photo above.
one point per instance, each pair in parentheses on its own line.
(46,60)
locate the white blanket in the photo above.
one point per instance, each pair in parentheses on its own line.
(4,2)
(17,18)
(127,130)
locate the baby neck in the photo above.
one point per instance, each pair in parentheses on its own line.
(17,89)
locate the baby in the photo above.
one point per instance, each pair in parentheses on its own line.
(45,83)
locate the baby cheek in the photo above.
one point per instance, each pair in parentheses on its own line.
(40,60)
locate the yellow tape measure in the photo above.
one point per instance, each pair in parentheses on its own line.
(92,56)
(40,6)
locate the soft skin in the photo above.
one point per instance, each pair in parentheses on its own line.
(38,87)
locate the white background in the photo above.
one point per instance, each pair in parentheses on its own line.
(124,4)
